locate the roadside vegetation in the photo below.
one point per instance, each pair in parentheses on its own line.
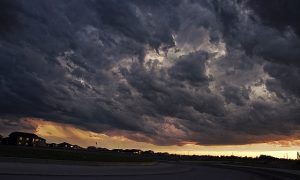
(133,155)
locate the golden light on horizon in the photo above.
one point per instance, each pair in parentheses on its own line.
(57,132)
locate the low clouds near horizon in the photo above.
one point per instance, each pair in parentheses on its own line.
(165,72)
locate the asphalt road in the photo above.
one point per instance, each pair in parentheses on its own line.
(161,171)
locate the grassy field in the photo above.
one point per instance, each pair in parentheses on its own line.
(74,155)
(112,156)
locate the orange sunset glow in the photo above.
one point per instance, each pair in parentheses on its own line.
(56,132)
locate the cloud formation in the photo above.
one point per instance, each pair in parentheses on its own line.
(164,72)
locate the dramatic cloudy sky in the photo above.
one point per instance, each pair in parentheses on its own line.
(165,72)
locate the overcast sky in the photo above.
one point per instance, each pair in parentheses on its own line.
(166,72)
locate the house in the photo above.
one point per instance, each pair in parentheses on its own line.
(52,145)
(92,148)
(148,152)
(117,150)
(102,149)
(77,147)
(65,145)
(24,139)
(133,151)
(5,141)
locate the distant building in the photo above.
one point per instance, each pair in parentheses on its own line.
(76,147)
(148,152)
(134,151)
(65,145)
(92,148)
(52,145)
(102,149)
(24,139)
(1,137)
(117,150)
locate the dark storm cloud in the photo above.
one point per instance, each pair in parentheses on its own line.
(165,72)
(278,13)
(124,17)
(286,77)
(235,95)
(190,68)
(8,19)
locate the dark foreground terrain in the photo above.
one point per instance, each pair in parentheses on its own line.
(44,163)
(95,156)
(69,154)
(158,171)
